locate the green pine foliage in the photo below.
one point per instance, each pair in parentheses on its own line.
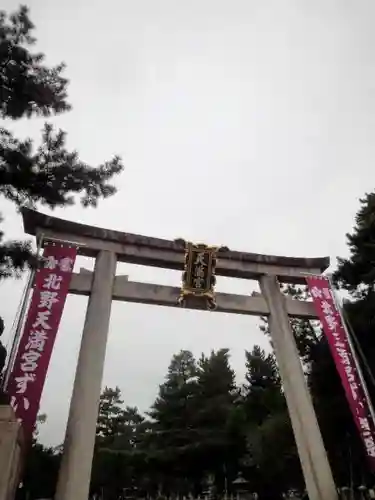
(47,173)
(357,273)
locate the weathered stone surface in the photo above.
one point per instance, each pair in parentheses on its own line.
(169,254)
(11,447)
(162,295)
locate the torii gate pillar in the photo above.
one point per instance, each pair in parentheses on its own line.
(107,246)
(312,454)
(75,471)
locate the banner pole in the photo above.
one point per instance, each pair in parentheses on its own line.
(354,353)
(361,357)
(23,311)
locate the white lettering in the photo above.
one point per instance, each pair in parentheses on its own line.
(47,299)
(345,360)
(199,271)
(340,344)
(41,320)
(30,359)
(331,322)
(23,381)
(327,308)
(14,404)
(50,262)
(66,265)
(36,340)
(370,446)
(199,260)
(354,388)
(349,373)
(52,282)
(316,292)
(363,422)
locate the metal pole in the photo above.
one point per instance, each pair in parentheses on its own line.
(355,357)
(19,328)
(357,345)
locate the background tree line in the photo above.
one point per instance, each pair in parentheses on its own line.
(202,424)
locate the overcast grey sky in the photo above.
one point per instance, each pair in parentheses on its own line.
(247,123)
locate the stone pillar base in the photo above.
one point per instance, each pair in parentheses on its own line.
(11,447)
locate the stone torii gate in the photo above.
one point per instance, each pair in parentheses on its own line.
(102,286)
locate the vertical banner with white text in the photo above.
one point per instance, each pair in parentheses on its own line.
(30,367)
(343,356)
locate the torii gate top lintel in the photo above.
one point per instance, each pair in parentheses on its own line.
(168,254)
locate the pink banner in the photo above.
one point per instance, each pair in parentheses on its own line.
(29,371)
(343,356)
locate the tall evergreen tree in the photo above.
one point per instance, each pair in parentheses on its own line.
(263,395)
(195,430)
(171,410)
(116,440)
(48,174)
(357,273)
(218,419)
(273,467)
(111,417)
(172,441)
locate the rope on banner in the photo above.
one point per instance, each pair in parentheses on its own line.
(71,244)
(12,329)
(22,314)
(358,347)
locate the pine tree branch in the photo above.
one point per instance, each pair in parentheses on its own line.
(15,258)
(52,175)
(27,87)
